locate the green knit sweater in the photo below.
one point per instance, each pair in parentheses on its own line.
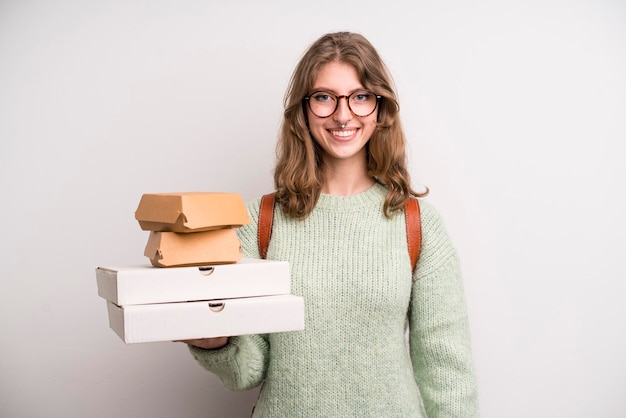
(352,267)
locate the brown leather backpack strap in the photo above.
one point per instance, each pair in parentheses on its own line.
(266,218)
(413,230)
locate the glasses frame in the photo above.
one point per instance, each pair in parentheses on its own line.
(338,98)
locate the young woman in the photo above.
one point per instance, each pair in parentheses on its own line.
(342,185)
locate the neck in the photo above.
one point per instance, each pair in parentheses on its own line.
(344,178)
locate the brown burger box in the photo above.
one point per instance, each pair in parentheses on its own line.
(186,212)
(173,249)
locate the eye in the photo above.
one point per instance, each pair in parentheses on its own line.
(361,96)
(323,97)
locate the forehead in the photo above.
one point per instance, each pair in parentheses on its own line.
(338,77)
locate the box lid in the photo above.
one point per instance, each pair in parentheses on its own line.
(145,284)
(191,211)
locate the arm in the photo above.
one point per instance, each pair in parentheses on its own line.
(240,362)
(439,330)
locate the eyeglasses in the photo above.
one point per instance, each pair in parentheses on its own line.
(361,103)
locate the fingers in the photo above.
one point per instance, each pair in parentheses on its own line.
(207,343)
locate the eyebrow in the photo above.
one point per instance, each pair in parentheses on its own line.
(318,89)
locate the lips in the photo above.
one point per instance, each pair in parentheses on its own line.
(343,133)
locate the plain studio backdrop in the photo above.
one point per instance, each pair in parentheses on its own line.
(515,113)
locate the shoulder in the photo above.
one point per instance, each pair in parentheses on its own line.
(254,207)
(431,219)
(248,233)
(437,247)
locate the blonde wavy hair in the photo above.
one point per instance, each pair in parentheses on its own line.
(298,174)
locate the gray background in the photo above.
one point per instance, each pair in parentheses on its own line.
(514,112)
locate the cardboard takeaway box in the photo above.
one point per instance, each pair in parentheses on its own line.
(148,304)
(203,319)
(139,285)
(169,249)
(191,211)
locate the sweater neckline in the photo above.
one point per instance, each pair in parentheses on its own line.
(372,195)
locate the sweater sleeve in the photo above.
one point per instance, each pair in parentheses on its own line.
(242,363)
(439,329)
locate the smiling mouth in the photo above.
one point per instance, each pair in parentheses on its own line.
(343,133)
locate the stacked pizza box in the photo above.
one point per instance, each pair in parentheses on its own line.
(198,284)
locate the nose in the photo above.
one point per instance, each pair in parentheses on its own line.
(343,112)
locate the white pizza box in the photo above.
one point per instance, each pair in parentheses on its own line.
(137,285)
(204,319)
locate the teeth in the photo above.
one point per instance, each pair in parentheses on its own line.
(344,134)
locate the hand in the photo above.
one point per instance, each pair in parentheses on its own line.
(207,343)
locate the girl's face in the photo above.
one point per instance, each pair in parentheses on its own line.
(348,142)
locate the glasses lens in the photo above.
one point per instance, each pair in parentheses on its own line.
(361,103)
(323,104)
